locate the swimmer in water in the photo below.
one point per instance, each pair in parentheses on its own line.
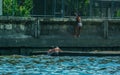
(55,50)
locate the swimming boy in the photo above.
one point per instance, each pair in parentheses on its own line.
(55,50)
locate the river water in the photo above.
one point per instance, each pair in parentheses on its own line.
(64,65)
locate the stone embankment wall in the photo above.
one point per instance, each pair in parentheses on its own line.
(28,32)
(92,28)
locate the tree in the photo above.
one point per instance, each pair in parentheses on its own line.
(118,13)
(17,7)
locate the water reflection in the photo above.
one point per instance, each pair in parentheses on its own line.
(66,65)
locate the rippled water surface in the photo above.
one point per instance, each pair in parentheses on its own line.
(65,65)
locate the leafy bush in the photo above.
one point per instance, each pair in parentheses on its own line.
(118,13)
(17,7)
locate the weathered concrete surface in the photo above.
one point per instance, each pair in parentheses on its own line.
(45,41)
(45,32)
(22,32)
(80,53)
(12,19)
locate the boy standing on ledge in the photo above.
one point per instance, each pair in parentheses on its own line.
(78,26)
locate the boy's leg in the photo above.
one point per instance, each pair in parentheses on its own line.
(79,30)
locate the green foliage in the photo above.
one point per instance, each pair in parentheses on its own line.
(77,6)
(84,5)
(7,7)
(118,13)
(14,8)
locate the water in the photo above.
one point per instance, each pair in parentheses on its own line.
(65,65)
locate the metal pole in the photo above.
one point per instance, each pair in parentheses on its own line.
(105,28)
(112,9)
(0,7)
(12,8)
(45,8)
(77,6)
(62,10)
(91,3)
(54,7)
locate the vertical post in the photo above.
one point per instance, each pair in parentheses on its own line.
(37,28)
(54,7)
(62,10)
(77,6)
(105,28)
(44,7)
(112,8)
(13,8)
(91,4)
(109,13)
(32,12)
(0,7)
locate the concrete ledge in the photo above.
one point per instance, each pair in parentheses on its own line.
(80,53)
(13,18)
(71,19)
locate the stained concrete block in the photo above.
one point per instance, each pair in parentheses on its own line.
(8,26)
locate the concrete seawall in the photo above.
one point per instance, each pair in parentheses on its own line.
(24,32)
